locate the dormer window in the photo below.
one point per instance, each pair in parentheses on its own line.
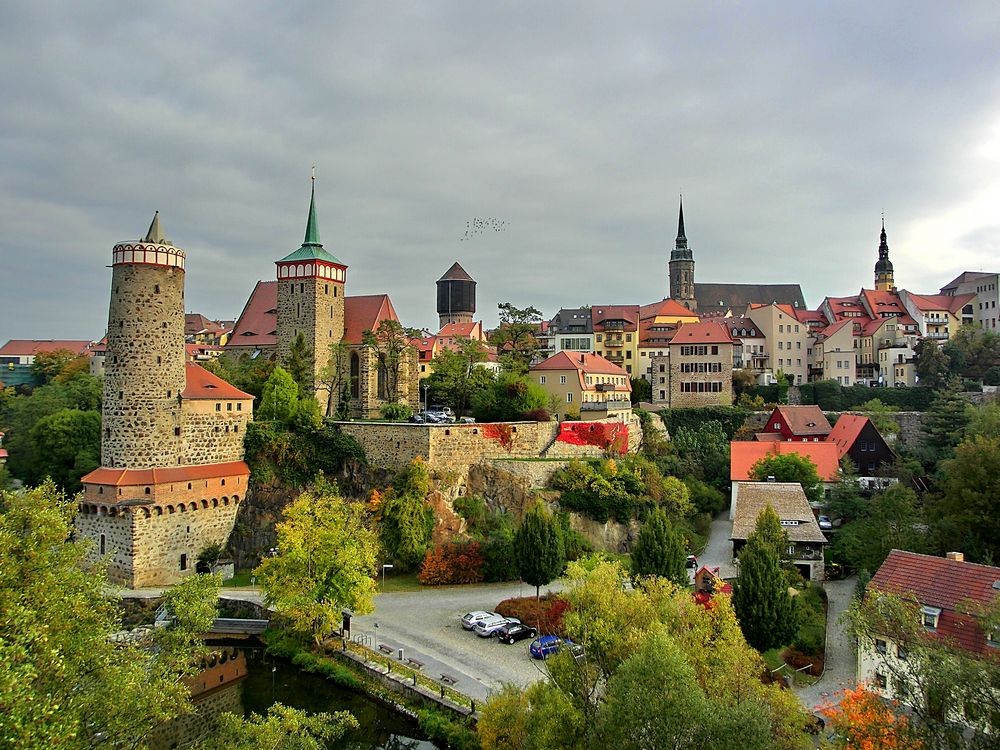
(929,616)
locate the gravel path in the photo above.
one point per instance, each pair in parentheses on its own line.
(840,671)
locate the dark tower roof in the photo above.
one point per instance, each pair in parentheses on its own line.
(456,273)
(681,250)
(883,265)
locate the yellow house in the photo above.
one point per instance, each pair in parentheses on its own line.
(584,385)
(657,324)
(939,315)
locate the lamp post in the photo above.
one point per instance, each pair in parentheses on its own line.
(426,389)
(386,565)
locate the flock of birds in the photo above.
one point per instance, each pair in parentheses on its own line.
(483,224)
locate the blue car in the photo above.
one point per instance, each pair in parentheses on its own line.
(547,644)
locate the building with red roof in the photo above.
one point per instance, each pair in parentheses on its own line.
(584,385)
(949,597)
(799,423)
(857,438)
(698,368)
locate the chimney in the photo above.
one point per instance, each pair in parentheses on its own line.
(583,360)
(956,556)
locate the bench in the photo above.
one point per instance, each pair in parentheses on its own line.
(448,679)
(387,650)
(415,663)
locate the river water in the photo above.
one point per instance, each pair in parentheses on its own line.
(246,680)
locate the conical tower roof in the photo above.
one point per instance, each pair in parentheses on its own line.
(456,273)
(155,233)
(312,248)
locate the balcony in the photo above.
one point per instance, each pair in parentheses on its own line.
(937,334)
(616,405)
(614,341)
(602,387)
(615,357)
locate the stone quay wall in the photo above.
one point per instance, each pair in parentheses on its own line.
(144,368)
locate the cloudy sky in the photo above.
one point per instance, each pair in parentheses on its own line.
(789,127)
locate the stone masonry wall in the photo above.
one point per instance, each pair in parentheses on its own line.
(144,367)
(214,437)
(315,307)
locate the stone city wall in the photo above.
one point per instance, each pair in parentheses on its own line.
(214,437)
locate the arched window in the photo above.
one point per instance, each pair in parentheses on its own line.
(355,375)
(383,378)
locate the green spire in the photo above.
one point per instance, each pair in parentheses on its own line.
(312,227)
(312,248)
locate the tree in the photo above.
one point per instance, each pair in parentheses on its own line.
(660,550)
(283,728)
(48,365)
(392,347)
(66,446)
(539,547)
(967,507)
(984,420)
(406,522)
(881,416)
(744,381)
(931,363)
(280,397)
(945,423)
(334,378)
(511,397)
(973,351)
(790,467)
(891,520)
(455,374)
(515,338)
(65,682)
(861,719)
(299,363)
(642,390)
(846,502)
(767,613)
(326,562)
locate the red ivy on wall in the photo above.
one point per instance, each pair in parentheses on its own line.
(501,432)
(609,436)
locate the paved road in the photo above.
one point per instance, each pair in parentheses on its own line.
(841,668)
(719,551)
(427,625)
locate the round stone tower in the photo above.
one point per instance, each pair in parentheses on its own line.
(144,368)
(456,296)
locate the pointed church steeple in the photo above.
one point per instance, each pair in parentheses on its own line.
(681,250)
(682,266)
(155,233)
(312,248)
(312,226)
(680,222)
(884,280)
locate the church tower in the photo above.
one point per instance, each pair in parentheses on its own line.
(682,267)
(144,368)
(311,296)
(884,281)
(456,296)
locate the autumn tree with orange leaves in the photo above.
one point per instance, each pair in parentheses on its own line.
(862,721)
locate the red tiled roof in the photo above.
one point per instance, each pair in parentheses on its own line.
(258,323)
(465,330)
(601,313)
(941,301)
(834,327)
(666,307)
(581,362)
(136,477)
(711,332)
(944,584)
(29,347)
(743,454)
(364,313)
(201,384)
(807,419)
(846,431)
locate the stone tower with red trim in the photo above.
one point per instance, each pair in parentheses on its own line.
(172,472)
(311,297)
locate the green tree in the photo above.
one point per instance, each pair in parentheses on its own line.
(334,378)
(881,416)
(846,502)
(391,344)
(890,521)
(406,521)
(326,562)
(539,545)
(660,550)
(283,728)
(944,424)
(984,420)
(307,416)
(966,511)
(511,397)
(49,365)
(299,364)
(455,374)
(515,337)
(65,682)
(642,390)
(973,351)
(65,446)
(931,363)
(280,397)
(790,467)
(766,611)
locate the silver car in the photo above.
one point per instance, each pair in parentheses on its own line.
(471,619)
(490,627)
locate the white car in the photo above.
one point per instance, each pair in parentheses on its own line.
(471,619)
(825,523)
(490,627)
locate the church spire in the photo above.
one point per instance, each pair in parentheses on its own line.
(312,226)
(680,222)
(155,233)
(681,266)
(884,280)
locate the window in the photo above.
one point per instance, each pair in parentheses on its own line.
(881,646)
(929,616)
(102,543)
(901,652)
(562,380)
(541,380)
(880,680)
(355,375)
(229,406)
(790,550)
(184,562)
(218,407)
(569,398)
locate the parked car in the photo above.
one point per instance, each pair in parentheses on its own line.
(692,561)
(417,418)
(429,417)
(489,627)
(546,645)
(825,523)
(471,619)
(467,420)
(438,416)
(515,631)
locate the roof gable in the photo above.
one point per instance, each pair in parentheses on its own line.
(807,419)
(743,454)
(202,384)
(788,501)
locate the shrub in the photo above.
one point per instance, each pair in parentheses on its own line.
(455,562)
(446,731)
(730,417)
(396,412)
(546,614)
(705,497)
(796,659)
(537,415)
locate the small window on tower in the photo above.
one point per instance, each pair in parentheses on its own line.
(302,288)
(326,289)
(335,291)
(156,289)
(177,431)
(159,360)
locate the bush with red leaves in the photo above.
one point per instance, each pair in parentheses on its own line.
(455,562)
(544,614)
